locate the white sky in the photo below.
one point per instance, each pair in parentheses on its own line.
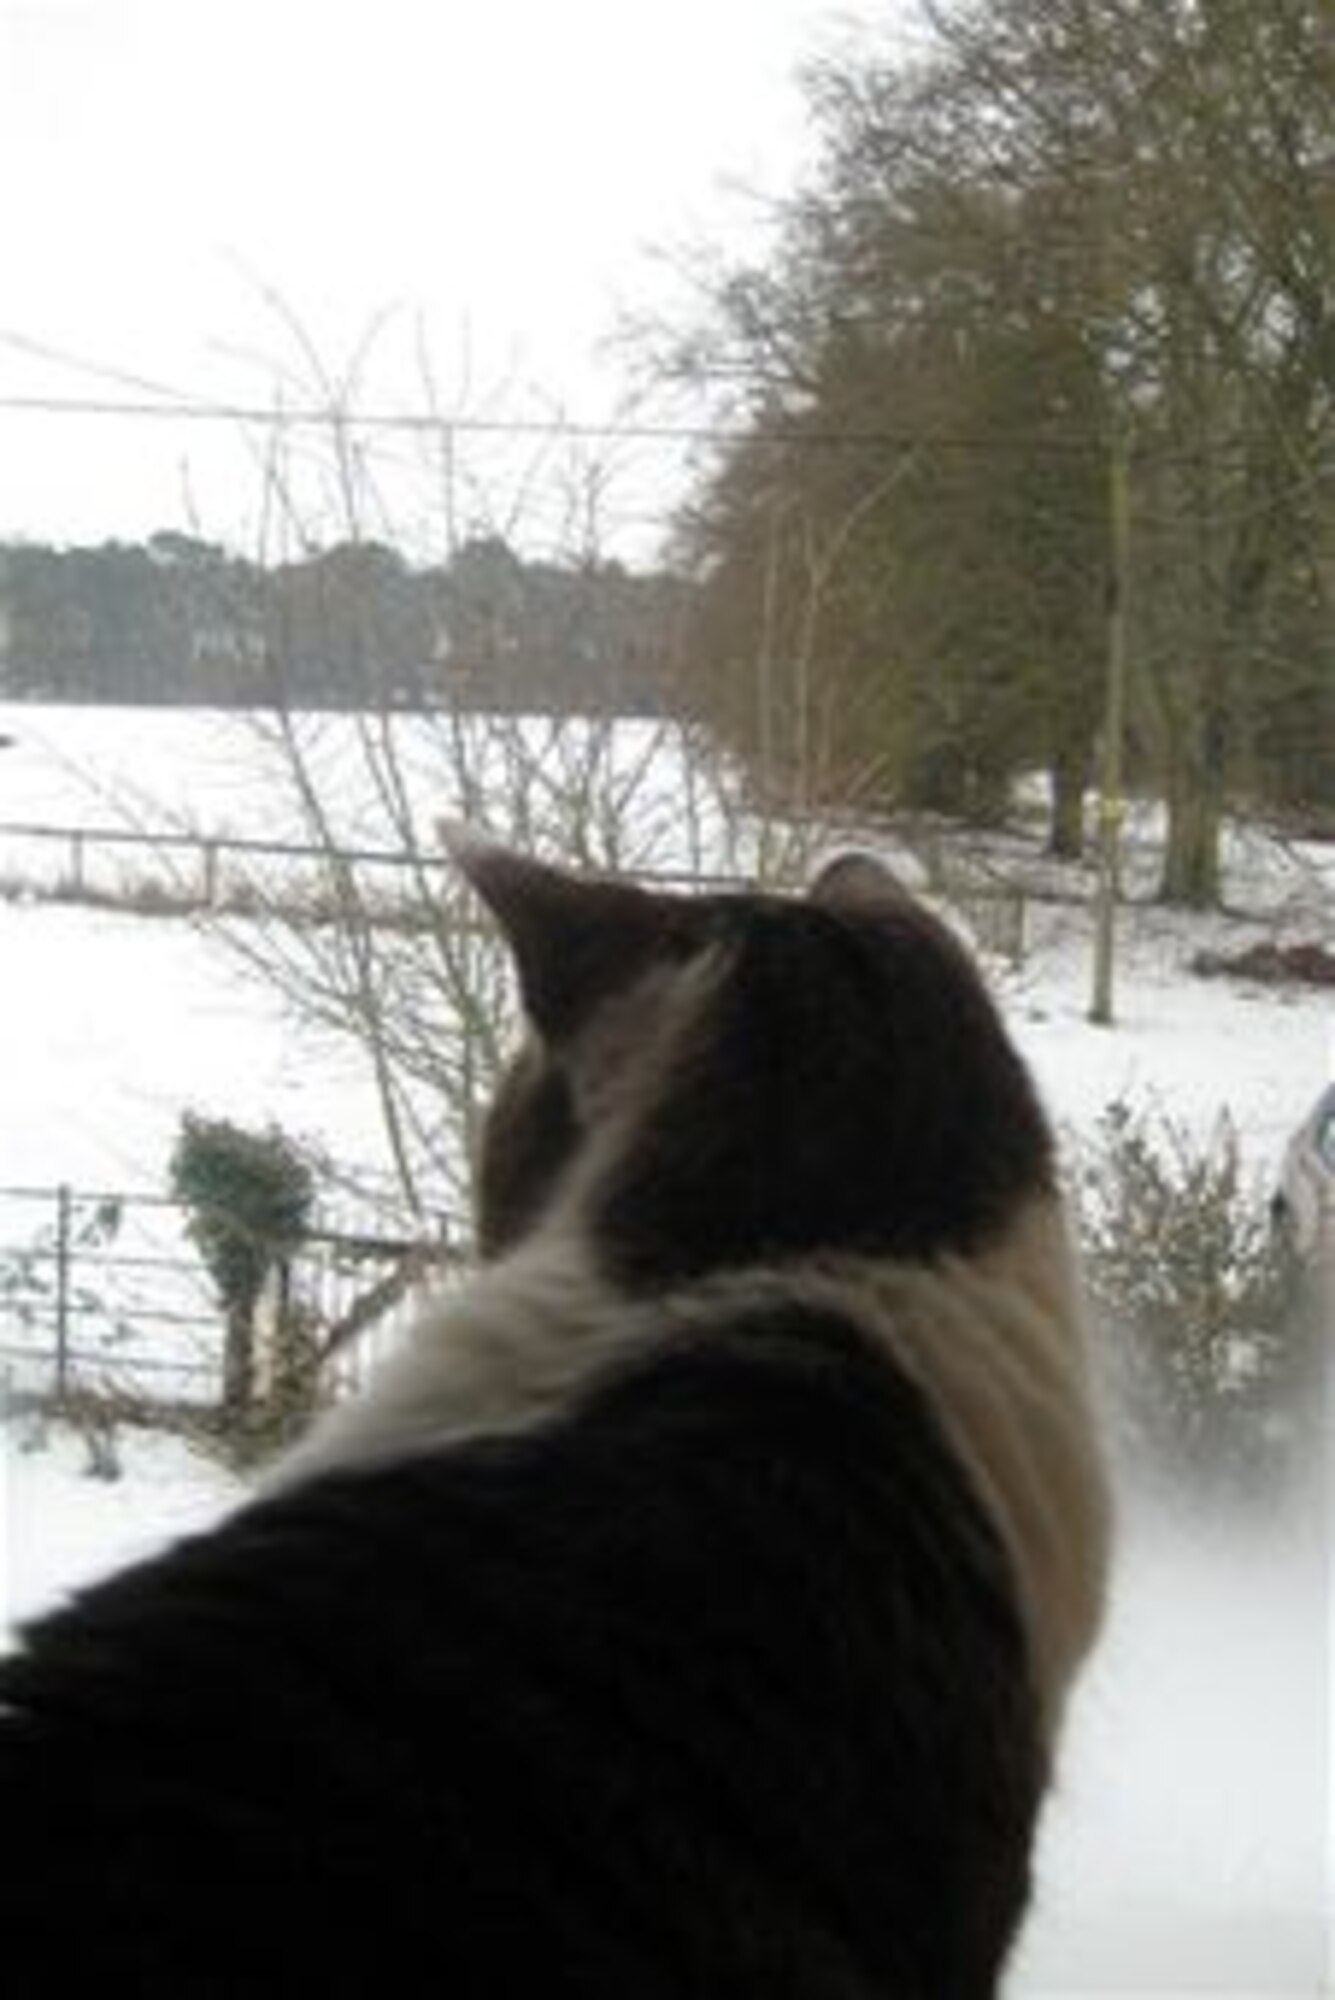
(494,172)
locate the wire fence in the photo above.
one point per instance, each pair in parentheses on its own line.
(190,871)
(105,1294)
(170,872)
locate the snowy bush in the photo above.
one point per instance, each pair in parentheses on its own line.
(1192,1298)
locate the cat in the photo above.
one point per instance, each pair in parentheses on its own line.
(690,1608)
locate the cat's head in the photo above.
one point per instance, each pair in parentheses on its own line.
(716,1081)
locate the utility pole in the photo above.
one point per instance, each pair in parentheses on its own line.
(1111,803)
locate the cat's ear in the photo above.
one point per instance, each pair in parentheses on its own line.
(853,877)
(575,939)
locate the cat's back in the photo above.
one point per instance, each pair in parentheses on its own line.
(716,1687)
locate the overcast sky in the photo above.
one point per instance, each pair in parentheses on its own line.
(489,177)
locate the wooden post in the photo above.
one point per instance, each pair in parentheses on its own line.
(64,1250)
(1111,804)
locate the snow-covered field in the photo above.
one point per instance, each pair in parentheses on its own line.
(117,1022)
(1192,1844)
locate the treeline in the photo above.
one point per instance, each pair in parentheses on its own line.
(180,620)
(1050,327)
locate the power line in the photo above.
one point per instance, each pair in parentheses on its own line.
(345,420)
(611,430)
(148,400)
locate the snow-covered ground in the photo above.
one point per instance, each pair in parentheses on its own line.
(1192,1844)
(112,1025)
(60,1525)
(116,1022)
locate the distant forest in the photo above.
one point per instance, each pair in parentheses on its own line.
(179,620)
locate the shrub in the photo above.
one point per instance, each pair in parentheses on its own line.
(1193,1297)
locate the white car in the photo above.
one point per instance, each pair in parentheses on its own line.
(1303,1205)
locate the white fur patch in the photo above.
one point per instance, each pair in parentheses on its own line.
(997,1343)
(514,1347)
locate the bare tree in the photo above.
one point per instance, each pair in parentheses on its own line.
(391,958)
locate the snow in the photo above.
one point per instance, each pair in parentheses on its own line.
(1191,1844)
(228,773)
(112,1025)
(60,1526)
(1196,1048)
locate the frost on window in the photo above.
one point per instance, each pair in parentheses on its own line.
(1189,1842)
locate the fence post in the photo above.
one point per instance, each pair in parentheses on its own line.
(64,1247)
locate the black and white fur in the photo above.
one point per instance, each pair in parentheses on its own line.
(690,1609)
